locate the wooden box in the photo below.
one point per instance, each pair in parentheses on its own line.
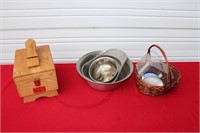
(34,72)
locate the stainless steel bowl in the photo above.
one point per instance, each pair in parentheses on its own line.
(103,69)
(126,72)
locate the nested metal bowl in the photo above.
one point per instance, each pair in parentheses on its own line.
(103,69)
(125,73)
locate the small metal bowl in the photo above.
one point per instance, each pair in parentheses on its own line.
(126,72)
(103,69)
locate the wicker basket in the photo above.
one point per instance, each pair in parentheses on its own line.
(159,90)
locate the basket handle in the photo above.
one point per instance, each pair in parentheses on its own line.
(165,57)
(31,54)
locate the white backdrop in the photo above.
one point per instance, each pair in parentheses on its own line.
(75,27)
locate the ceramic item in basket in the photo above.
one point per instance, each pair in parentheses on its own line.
(152,79)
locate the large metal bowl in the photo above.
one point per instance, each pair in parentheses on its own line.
(126,72)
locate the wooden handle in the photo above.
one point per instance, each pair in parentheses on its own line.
(31,48)
(165,56)
(31,54)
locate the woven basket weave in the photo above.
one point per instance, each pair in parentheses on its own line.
(159,90)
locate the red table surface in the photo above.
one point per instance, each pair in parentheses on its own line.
(81,108)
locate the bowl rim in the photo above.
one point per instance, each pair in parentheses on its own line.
(98,52)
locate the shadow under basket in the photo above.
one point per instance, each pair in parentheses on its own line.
(151,90)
